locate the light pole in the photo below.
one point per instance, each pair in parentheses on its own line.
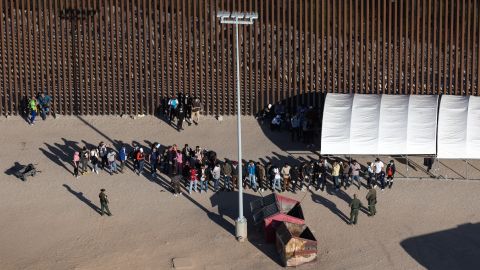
(237,18)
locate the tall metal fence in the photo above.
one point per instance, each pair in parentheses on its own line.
(124,56)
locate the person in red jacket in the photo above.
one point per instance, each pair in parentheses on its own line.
(193,180)
(140,158)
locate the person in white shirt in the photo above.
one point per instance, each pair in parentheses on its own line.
(378,169)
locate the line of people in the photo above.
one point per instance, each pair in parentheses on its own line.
(198,167)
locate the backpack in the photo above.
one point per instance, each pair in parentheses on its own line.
(389,171)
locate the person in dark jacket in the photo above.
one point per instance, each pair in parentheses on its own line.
(294,175)
(390,171)
(188,108)
(227,175)
(180,117)
(261,174)
(317,175)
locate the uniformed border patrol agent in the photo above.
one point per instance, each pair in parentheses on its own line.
(355,206)
(372,201)
(104,203)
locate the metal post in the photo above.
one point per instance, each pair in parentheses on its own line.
(406,162)
(233,18)
(466,168)
(241,222)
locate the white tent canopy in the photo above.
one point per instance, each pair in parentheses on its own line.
(459,127)
(379,124)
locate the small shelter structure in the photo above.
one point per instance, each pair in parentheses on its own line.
(296,244)
(271,210)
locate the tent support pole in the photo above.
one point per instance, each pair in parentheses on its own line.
(466,169)
(406,158)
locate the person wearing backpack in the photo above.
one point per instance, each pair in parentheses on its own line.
(84,157)
(390,173)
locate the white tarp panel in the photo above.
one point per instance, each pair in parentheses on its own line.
(336,124)
(374,124)
(452,127)
(473,128)
(364,124)
(392,136)
(422,125)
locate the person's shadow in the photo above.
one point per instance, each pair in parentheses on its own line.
(330,205)
(82,198)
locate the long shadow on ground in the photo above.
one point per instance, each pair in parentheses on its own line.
(456,248)
(82,198)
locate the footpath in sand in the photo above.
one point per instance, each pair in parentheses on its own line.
(50,221)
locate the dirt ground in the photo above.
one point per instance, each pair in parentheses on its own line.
(50,221)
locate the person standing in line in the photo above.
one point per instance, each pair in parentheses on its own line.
(102,151)
(193,180)
(261,176)
(317,175)
(345,175)
(179,161)
(154,157)
(140,158)
(371,175)
(294,176)
(276,179)
(122,156)
(203,179)
(234,175)
(112,161)
(32,105)
(216,174)
(378,169)
(336,174)
(286,176)
(227,175)
(355,206)
(94,159)
(372,201)
(355,170)
(104,203)
(252,175)
(76,164)
(84,157)
(391,170)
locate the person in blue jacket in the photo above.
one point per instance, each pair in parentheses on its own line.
(122,156)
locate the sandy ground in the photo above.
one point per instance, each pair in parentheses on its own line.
(50,222)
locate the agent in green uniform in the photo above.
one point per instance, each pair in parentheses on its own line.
(355,206)
(104,202)
(372,201)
